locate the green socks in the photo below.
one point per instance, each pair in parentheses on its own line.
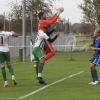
(37,64)
(40,69)
(4,73)
(10,69)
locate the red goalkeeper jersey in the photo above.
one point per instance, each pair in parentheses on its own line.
(48,48)
(45,22)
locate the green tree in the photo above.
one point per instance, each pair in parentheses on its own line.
(32,9)
(91,11)
(84,28)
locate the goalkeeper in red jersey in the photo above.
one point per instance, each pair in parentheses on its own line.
(42,39)
(43,22)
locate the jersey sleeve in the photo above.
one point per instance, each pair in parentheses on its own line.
(99,43)
(52,19)
(8,33)
(93,40)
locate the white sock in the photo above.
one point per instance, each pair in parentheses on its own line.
(5,82)
(13,77)
(39,75)
(34,65)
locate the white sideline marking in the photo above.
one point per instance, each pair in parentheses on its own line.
(42,88)
(8,99)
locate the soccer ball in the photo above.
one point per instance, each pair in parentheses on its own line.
(59,8)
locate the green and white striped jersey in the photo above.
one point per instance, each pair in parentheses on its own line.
(4,41)
(40,38)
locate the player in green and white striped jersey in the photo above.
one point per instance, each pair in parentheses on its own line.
(5,55)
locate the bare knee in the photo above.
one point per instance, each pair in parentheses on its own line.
(2,65)
(93,66)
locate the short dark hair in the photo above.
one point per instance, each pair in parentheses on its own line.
(40,14)
(1,26)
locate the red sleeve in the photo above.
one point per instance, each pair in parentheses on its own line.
(52,19)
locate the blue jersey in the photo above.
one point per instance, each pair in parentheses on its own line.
(96,56)
(93,40)
(97,45)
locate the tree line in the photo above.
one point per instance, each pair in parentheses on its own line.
(90,10)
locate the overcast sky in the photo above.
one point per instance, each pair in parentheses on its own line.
(71,12)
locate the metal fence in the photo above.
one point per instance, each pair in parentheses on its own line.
(63,43)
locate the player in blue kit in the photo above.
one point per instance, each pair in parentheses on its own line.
(95,61)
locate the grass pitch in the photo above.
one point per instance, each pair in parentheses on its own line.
(60,66)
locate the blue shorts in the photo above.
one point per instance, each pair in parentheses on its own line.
(96,61)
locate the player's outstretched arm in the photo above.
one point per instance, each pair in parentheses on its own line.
(95,49)
(59,11)
(15,34)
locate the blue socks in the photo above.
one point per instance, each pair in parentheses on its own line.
(94,74)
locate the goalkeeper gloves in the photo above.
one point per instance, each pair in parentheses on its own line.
(59,11)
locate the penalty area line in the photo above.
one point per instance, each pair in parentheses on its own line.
(44,87)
